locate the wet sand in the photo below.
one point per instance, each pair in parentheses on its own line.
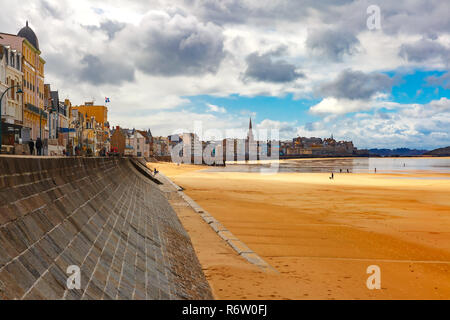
(322,234)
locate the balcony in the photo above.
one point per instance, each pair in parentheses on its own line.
(35,110)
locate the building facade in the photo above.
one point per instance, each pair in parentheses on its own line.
(58,122)
(12,110)
(30,66)
(99,112)
(118,140)
(35,116)
(100,115)
(161,146)
(146,143)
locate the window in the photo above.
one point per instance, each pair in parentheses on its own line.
(11,93)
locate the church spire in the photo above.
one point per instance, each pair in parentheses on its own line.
(250,136)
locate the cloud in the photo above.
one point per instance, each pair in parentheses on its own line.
(171,45)
(214,108)
(51,10)
(409,125)
(109,27)
(265,68)
(424,50)
(339,106)
(332,44)
(415,17)
(442,81)
(148,56)
(243,11)
(357,85)
(286,129)
(97,71)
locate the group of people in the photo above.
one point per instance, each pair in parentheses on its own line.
(340,171)
(348,171)
(39,146)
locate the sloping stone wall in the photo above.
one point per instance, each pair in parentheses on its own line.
(99,214)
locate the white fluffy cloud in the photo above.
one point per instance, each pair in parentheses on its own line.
(413,125)
(340,106)
(214,108)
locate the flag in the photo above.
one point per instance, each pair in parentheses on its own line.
(107,100)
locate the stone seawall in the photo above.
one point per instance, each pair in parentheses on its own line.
(99,214)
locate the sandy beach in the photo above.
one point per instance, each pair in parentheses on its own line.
(321,234)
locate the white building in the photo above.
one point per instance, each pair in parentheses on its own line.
(135,144)
(11,76)
(3,85)
(13,113)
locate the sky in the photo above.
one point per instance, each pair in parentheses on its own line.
(306,68)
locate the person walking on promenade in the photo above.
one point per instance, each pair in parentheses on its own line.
(39,146)
(31,145)
(332,176)
(155,171)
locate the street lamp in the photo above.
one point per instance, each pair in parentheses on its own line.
(19,91)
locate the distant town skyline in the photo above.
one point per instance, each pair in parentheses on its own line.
(306,68)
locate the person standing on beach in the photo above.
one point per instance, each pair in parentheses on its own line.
(375,170)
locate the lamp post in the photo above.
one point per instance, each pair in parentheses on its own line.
(1,98)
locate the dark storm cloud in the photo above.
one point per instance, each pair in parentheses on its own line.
(333,44)
(241,11)
(109,27)
(163,44)
(427,18)
(177,45)
(424,50)
(97,71)
(442,81)
(265,68)
(357,85)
